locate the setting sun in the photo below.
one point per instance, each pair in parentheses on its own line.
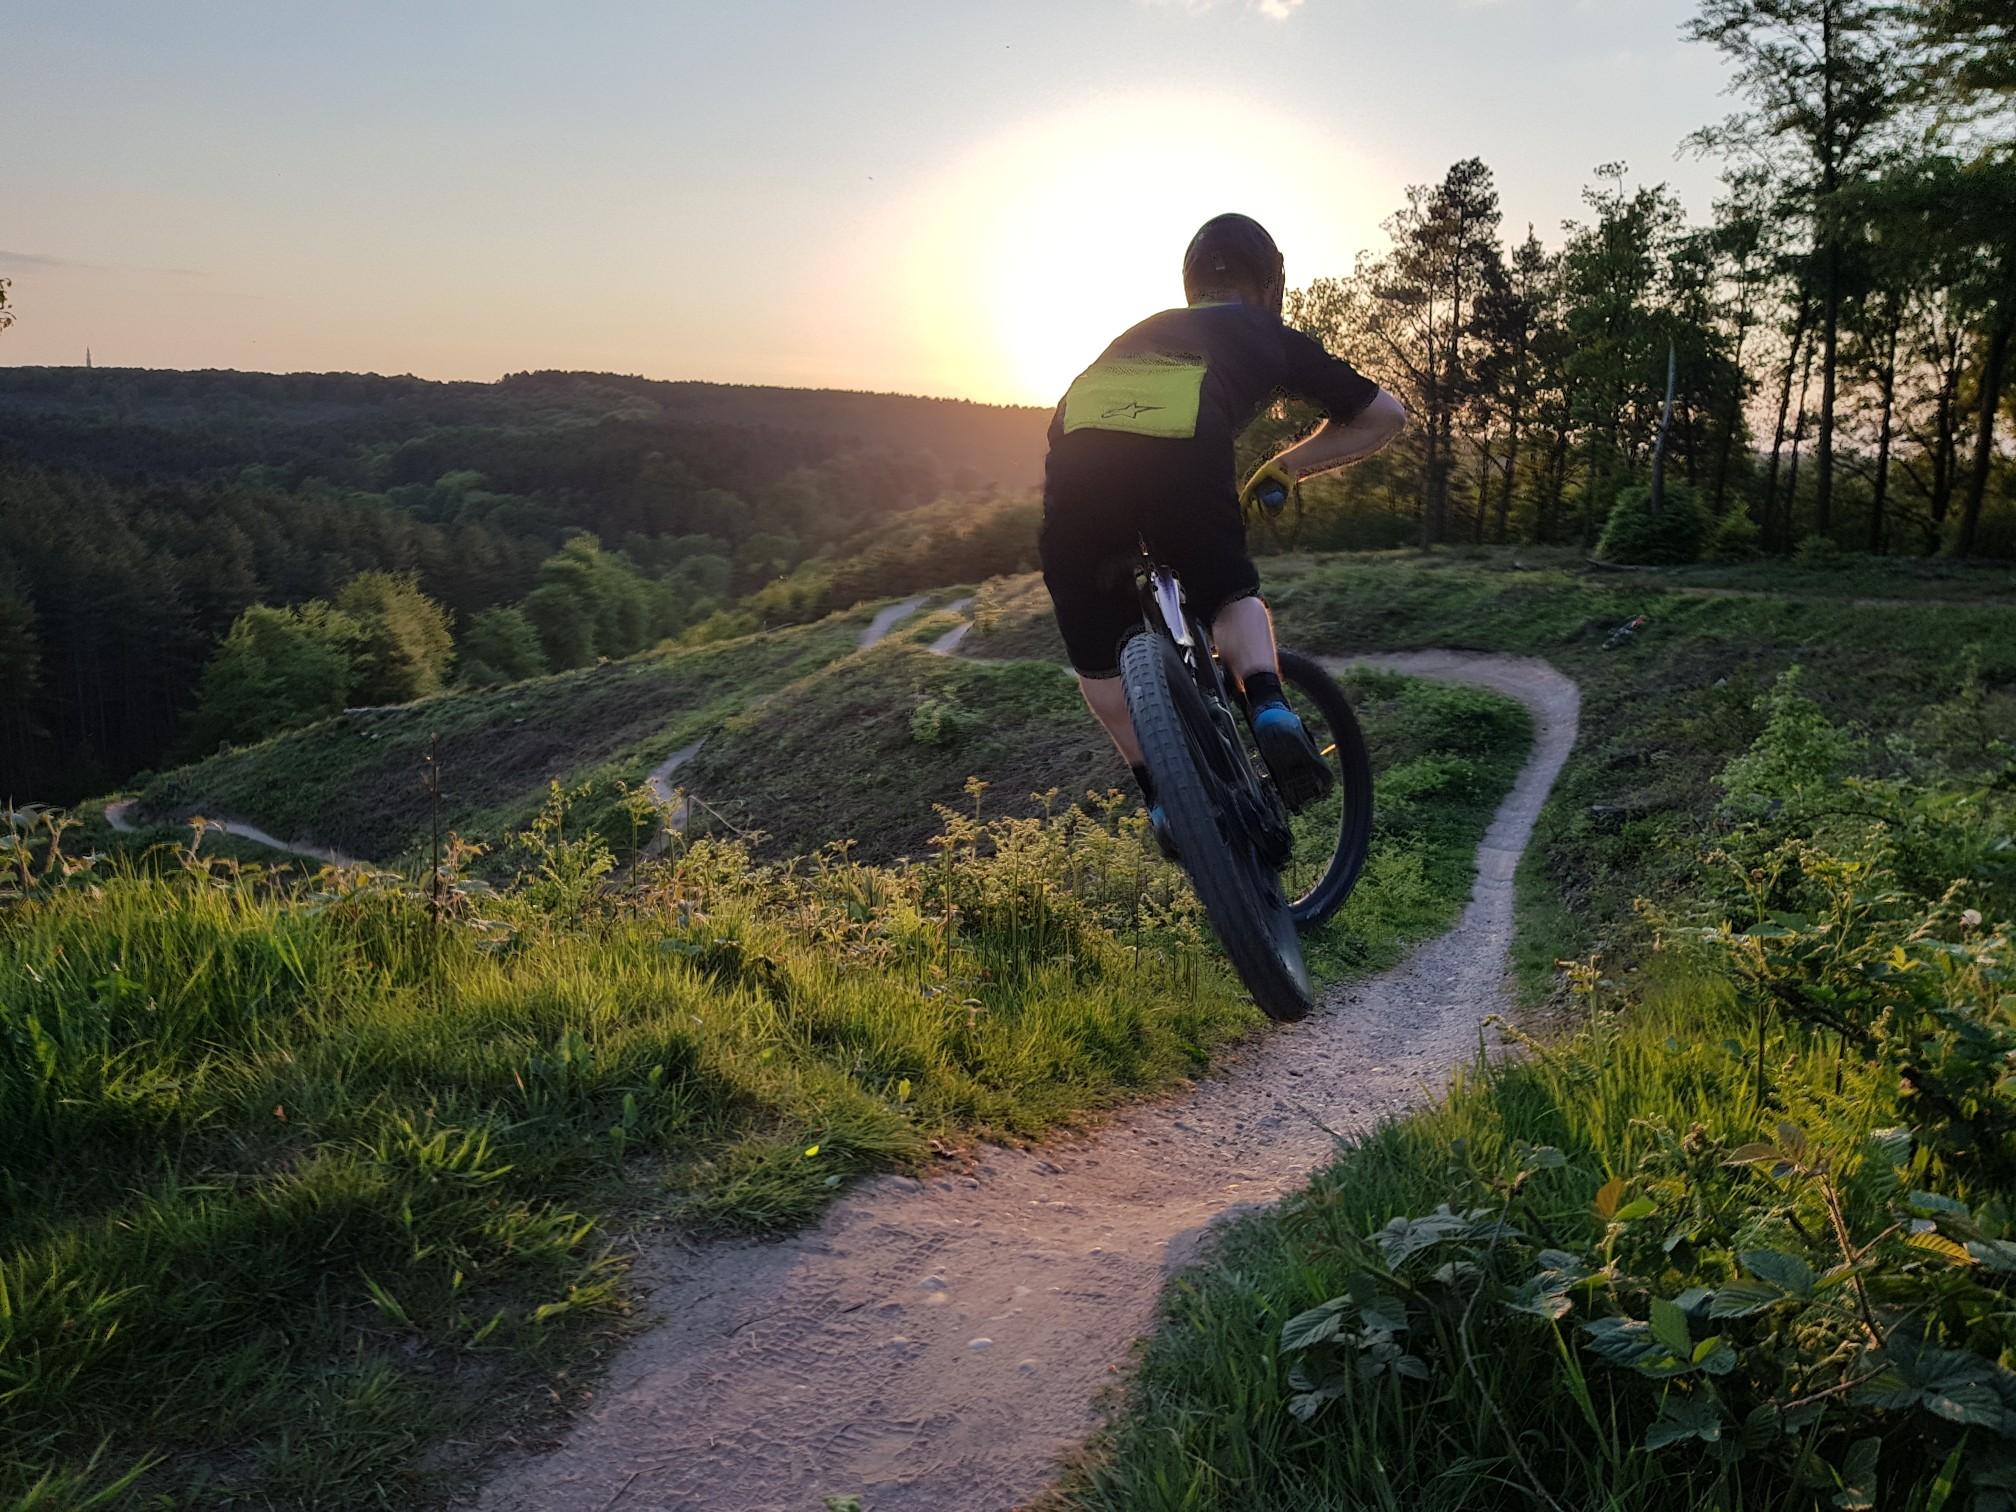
(1035,249)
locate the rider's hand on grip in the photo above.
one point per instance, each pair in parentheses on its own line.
(1270,488)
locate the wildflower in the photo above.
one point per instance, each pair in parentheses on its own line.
(1970,918)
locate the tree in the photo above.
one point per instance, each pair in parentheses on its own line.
(6,315)
(1507,319)
(1956,215)
(276,669)
(1419,305)
(1972,47)
(1609,283)
(20,686)
(565,624)
(501,645)
(402,648)
(1822,76)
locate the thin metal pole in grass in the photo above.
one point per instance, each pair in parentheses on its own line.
(1763,1017)
(433,763)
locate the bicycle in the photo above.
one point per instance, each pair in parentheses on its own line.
(1265,876)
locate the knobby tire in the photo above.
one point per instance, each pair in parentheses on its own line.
(1239,892)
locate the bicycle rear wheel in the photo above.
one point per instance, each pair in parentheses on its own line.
(1196,780)
(1332,834)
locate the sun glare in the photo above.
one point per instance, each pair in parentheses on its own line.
(1039,247)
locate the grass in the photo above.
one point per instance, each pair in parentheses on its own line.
(866,745)
(297,1187)
(1209,1427)
(1661,711)
(355,783)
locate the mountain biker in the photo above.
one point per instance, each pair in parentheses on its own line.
(1141,451)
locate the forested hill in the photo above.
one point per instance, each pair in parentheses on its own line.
(161,420)
(196,557)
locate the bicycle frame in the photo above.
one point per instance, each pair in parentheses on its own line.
(1164,607)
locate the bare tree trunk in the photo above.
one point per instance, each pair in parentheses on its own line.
(1993,371)
(1731,418)
(1946,446)
(1887,379)
(1830,261)
(1511,458)
(1485,466)
(1557,486)
(1665,427)
(1769,523)
(1798,439)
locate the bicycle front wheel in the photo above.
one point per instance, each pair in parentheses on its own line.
(1331,835)
(1196,778)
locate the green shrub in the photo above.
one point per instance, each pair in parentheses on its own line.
(1819,551)
(1736,538)
(1676,534)
(940,722)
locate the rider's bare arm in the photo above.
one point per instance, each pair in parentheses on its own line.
(1338,444)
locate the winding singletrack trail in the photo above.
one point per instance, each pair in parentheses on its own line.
(935,1346)
(119,814)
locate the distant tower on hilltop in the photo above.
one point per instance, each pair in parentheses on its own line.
(87,356)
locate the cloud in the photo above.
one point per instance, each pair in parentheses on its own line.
(43,260)
(37,260)
(1280,10)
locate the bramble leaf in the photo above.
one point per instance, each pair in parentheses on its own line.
(1669,1327)
(1315,1326)
(1995,1254)
(1972,1403)
(1739,1299)
(1683,1418)
(1788,1273)
(1858,1476)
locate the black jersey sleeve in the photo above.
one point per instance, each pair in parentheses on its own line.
(1312,373)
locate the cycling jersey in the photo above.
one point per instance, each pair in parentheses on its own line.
(1141,448)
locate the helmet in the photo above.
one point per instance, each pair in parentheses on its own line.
(1232,252)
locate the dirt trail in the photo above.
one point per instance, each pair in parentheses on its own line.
(935,1346)
(888,618)
(118,815)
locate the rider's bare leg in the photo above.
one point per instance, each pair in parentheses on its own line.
(1244,633)
(1108,700)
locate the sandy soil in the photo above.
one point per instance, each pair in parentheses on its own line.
(936,1346)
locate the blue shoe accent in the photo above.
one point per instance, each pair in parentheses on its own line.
(1276,718)
(1158,825)
(1298,768)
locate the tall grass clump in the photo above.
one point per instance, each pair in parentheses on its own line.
(296,1169)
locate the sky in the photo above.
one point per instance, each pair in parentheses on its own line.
(953,198)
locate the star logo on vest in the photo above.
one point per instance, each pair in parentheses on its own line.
(1133,410)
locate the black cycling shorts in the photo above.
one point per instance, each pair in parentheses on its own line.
(1105,493)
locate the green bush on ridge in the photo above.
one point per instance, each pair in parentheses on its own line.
(1675,535)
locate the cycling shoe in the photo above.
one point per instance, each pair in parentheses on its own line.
(1165,838)
(1299,770)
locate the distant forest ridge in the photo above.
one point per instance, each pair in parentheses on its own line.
(999,445)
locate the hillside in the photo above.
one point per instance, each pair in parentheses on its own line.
(166,422)
(551,519)
(472,1106)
